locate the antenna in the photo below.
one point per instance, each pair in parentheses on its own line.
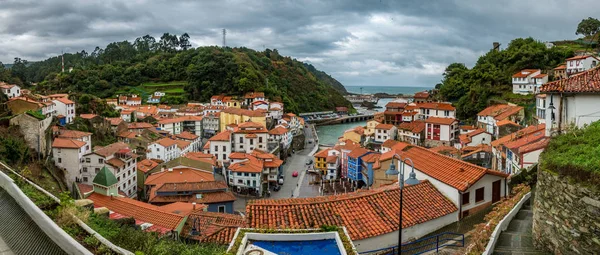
(62,54)
(224,35)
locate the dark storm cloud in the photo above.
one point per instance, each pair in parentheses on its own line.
(373,42)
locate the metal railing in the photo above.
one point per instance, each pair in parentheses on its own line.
(423,245)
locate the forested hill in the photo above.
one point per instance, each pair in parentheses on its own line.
(327,78)
(204,71)
(489,81)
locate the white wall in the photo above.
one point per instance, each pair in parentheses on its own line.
(158,151)
(578,109)
(483,138)
(68,110)
(485,182)
(531,158)
(260,142)
(15,91)
(70,161)
(416,231)
(216,148)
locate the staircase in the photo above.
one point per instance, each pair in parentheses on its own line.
(518,239)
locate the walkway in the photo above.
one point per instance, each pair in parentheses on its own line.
(518,239)
(19,234)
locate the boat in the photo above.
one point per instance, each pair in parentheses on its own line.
(358,99)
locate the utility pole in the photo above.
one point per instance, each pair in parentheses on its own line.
(62,55)
(224,37)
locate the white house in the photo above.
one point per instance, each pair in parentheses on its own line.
(440,110)
(251,97)
(275,110)
(77,135)
(572,101)
(282,135)
(194,140)
(10,90)
(217,100)
(528,81)
(524,152)
(134,100)
(333,164)
(210,125)
(579,64)
(68,154)
(220,146)
(127,114)
(65,107)
(489,117)
(474,138)
(412,132)
(262,105)
(384,132)
(249,136)
(173,126)
(164,149)
(470,187)
(540,108)
(245,175)
(440,131)
(119,159)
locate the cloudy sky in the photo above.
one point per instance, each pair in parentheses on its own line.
(362,42)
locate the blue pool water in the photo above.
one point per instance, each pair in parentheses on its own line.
(321,247)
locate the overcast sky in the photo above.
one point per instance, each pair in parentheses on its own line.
(362,42)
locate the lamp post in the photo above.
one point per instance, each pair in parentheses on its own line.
(412,180)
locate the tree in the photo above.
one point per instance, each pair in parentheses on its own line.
(184,41)
(168,42)
(588,27)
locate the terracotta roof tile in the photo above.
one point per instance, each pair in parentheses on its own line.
(181,208)
(384,126)
(586,81)
(331,159)
(437,106)
(389,143)
(416,126)
(146,165)
(358,152)
(67,143)
(365,214)
(525,140)
(87,116)
(213,227)
(445,149)
(179,175)
(395,105)
(322,153)
(244,112)
(72,134)
(166,142)
(251,165)
(187,135)
(64,100)
(422,94)
(440,121)
(540,144)
(115,121)
(138,210)
(524,73)
(518,134)
(223,136)
(279,130)
(139,125)
(111,149)
(506,122)
(115,162)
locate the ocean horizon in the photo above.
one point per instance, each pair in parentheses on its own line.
(386,89)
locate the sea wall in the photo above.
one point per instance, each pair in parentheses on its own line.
(566,215)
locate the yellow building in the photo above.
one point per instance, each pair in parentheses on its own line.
(320,160)
(371,127)
(231,102)
(355,134)
(236,116)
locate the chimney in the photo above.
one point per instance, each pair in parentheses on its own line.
(194,205)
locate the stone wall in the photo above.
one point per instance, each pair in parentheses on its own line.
(34,131)
(566,215)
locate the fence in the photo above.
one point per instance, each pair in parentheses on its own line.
(423,245)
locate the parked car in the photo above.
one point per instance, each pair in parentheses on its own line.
(295,174)
(309,162)
(280,181)
(276,188)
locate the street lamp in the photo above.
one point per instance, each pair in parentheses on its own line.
(412,180)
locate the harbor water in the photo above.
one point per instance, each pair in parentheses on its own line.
(329,134)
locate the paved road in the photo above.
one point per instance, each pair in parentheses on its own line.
(291,185)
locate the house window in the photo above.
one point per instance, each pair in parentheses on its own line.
(157,149)
(59,160)
(224,155)
(254,183)
(87,160)
(100,161)
(246,174)
(465,198)
(224,148)
(221,208)
(479,195)
(260,139)
(85,179)
(85,169)
(251,141)
(216,148)
(241,139)
(97,170)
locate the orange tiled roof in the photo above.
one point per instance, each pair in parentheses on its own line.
(389,143)
(586,81)
(448,149)
(322,154)
(581,57)
(87,116)
(560,67)
(223,136)
(422,94)
(64,100)
(72,134)
(500,111)
(181,208)
(179,175)
(384,126)
(506,122)
(187,135)
(524,73)
(254,95)
(416,126)
(466,138)
(357,152)
(395,105)
(251,165)
(115,121)
(67,143)
(525,140)
(127,134)
(518,134)
(331,159)
(138,210)
(115,162)
(540,144)
(508,112)
(365,214)
(440,121)
(244,112)
(279,130)
(139,125)
(453,172)
(214,227)
(437,106)
(146,165)
(166,142)
(182,144)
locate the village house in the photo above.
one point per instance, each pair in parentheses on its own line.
(540,108)
(528,81)
(393,112)
(173,126)
(164,149)
(282,136)
(117,158)
(212,109)
(150,218)
(210,125)
(524,152)
(507,126)
(470,188)
(145,168)
(371,124)
(480,155)
(440,110)
(75,135)
(128,115)
(252,97)
(580,64)
(220,146)
(10,90)
(355,163)
(490,116)
(572,101)
(356,134)
(498,150)
(245,174)
(474,138)
(217,100)
(66,108)
(67,155)
(213,194)
(560,72)
(384,132)
(295,123)
(236,116)
(412,132)
(320,161)
(260,105)
(249,136)
(271,168)
(194,140)
(369,217)
(345,147)
(275,110)
(422,97)
(333,164)
(133,100)
(440,131)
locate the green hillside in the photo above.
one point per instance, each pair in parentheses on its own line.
(186,74)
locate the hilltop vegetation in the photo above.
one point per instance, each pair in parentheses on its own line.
(489,81)
(124,67)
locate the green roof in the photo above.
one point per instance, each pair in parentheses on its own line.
(105,178)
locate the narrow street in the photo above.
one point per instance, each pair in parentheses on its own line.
(291,185)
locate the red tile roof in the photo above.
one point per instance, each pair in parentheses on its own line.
(223,136)
(453,172)
(422,94)
(279,130)
(445,149)
(500,111)
(87,116)
(389,143)
(244,112)
(67,143)
(179,175)
(583,82)
(139,125)
(322,153)
(138,210)
(254,95)
(64,100)
(115,121)
(181,208)
(115,162)
(540,144)
(509,112)
(581,57)
(146,165)
(384,126)
(437,106)
(110,149)
(506,122)
(72,134)
(560,67)
(251,165)
(365,214)
(440,121)
(524,73)
(518,134)
(331,159)
(187,135)
(477,149)
(416,126)
(395,105)
(182,144)
(213,227)
(525,140)
(466,138)
(357,152)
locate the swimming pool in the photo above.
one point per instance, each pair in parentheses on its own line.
(321,247)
